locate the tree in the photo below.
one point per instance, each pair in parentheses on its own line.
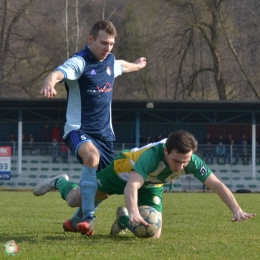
(133,85)
(226,26)
(190,54)
(12,43)
(34,39)
(196,49)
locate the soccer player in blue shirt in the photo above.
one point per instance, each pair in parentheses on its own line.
(89,80)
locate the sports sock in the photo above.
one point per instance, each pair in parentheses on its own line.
(64,187)
(78,215)
(77,218)
(97,202)
(88,187)
(57,182)
(124,222)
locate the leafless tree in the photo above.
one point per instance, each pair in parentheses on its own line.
(104,11)
(196,49)
(189,54)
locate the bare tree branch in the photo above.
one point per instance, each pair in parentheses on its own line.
(232,48)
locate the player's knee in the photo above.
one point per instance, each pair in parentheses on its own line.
(89,155)
(91,161)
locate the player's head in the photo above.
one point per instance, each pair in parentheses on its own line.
(103,25)
(181,141)
(101,39)
(179,147)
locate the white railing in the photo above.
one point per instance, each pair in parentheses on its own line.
(37,164)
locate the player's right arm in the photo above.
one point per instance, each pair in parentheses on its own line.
(226,195)
(50,81)
(71,69)
(131,197)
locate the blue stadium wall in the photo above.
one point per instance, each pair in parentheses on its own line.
(198,117)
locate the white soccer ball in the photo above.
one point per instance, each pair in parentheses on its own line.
(11,248)
(151,216)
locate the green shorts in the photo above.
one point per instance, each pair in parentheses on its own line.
(109,182)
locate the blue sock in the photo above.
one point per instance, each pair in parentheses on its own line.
(78,215)
(97,202)
(88,187)
(76,218)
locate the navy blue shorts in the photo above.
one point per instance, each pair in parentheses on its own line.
(105,148)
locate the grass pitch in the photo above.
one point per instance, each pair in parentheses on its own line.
(195,226)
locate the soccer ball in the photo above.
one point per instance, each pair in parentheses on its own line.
(11,248)
(151,216)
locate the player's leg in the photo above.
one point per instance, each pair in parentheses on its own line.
(121,222)
(149,197)
(88,180)
(87,154)
(73,199)
(71,193)
(106,155)
(48,185)
(68,191)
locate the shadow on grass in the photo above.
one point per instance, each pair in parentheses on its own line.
(17,238)
(34,239)
(93,238)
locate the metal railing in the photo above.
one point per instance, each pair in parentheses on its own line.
(36,162)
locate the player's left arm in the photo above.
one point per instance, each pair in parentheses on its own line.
(213,183)
(131,197)
(133,66)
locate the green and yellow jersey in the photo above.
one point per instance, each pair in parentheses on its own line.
(149,162)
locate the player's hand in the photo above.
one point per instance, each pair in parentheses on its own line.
(136,217)
(239,215)
(48,91)
(141,62)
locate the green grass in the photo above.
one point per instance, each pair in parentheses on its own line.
(195,226)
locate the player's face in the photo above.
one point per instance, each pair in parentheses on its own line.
(102,46)
(177,161)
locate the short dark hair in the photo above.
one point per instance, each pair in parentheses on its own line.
(103,25)
(182,142)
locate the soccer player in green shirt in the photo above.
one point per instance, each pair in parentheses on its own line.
(140,174)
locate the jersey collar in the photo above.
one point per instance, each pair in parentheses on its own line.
(89,53)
